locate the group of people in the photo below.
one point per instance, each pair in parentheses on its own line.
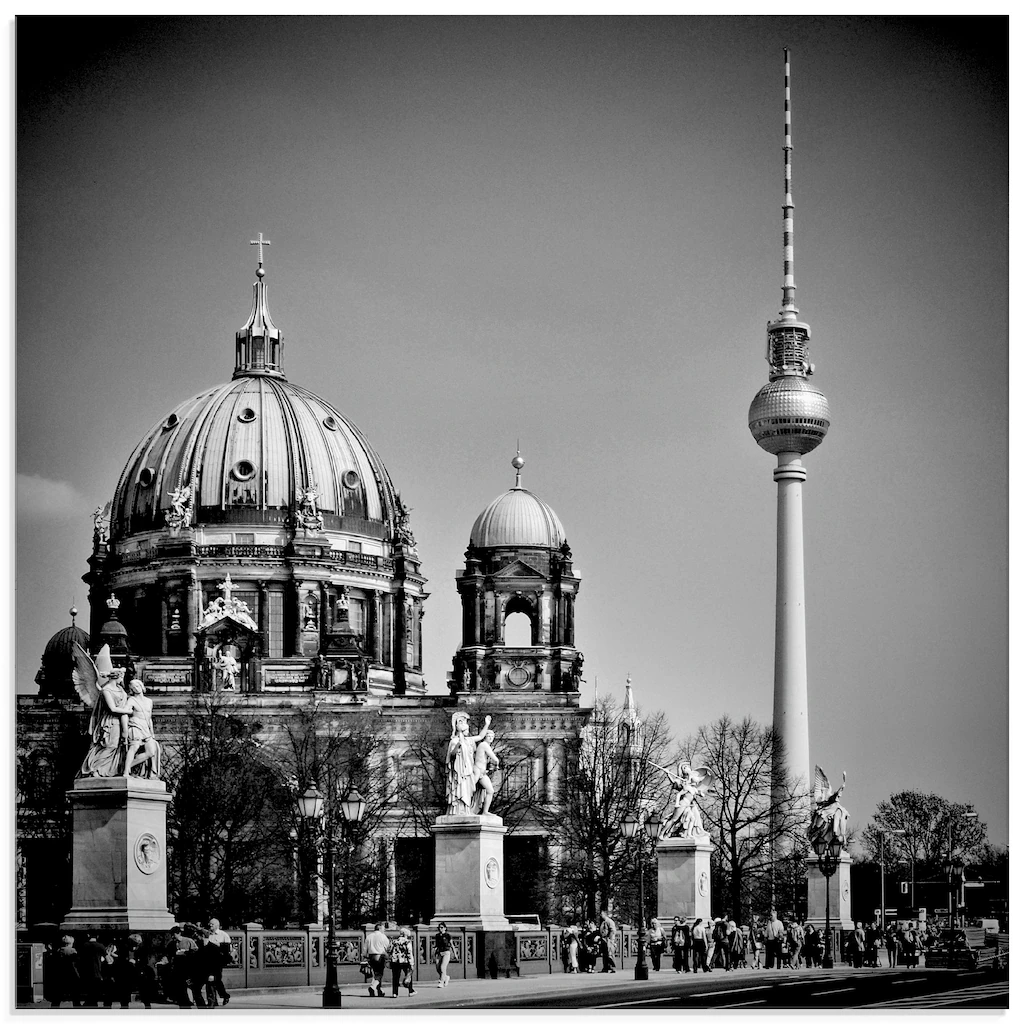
(584,945)
(187,969)
(398,952)
(904,942)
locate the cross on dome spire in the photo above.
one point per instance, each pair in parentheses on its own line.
(261,241)
(226,587)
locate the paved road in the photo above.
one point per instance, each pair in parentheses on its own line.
(739,990)
(749,989)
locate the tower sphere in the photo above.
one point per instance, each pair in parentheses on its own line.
(789,415)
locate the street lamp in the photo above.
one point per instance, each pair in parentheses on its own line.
(829,851)
(881,848)
(311,806)
(630,826)
(955,875)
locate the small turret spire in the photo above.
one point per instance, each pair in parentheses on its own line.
(517,463)
(259,345)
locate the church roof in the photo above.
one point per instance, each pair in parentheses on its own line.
(256,444)
(60,647)
(517,518)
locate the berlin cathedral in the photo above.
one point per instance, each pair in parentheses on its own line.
(256,551)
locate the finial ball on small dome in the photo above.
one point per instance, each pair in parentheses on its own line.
(518,462)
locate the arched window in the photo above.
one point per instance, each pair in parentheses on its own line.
(518,630)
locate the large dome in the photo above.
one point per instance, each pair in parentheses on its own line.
(251,446)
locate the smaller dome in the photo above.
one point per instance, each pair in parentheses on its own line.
(789,415)
(517,518)
(60,648)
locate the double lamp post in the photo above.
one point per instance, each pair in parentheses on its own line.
(630,826)
(312,806)
(829,851)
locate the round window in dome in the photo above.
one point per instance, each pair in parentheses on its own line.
(330,423)
(350,478)
(247,415)
(171,421)
(146,477)
(243,470)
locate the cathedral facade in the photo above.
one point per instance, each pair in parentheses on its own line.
(256,551)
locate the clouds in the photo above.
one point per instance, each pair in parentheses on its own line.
(52,499)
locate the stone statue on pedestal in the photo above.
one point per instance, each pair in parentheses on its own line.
(467,768)
(829,818)
(121,724)
(688,784)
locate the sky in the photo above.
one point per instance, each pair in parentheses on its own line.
(566,233)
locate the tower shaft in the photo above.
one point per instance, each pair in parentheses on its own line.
(789,708)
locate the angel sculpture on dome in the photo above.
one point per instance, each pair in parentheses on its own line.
(829,817)
(308,512)
(121,724)
(101,524)
(687,785)
(180,513)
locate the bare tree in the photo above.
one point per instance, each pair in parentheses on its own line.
(610,772)
(228,853)
(744,825)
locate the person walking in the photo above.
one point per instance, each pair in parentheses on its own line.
(678,939)
(756,943)
(796,942)
(180,956)
(66,984)
(774,934)
(590,948)
(892,945)
(400,955)
(699,937)
(442,953)
(377,944)
(608,931)
(571,944)
(857,944)
(655,943)
(90,967)
(219,958)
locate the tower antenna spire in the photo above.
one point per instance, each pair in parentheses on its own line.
(789,310)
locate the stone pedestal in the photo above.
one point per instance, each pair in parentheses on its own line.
(119,856)
(469,872)
(839,894)
(684,878)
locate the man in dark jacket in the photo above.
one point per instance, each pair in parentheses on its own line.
(90,966)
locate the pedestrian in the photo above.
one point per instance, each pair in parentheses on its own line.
(718,944)
(892,945)
(774,933)
(66,984)
(571,949)
(655,943)
(591,947)
(400,955)
(699,937)
(857,943)
(377,944)
(678,939)
(608,931)
(756,943)
(219,958)
(142,972)
(90,968)
(734,943)
(442,953)
(796,942)
(118,975)
(181,949)
(910,946)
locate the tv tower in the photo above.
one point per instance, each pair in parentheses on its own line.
(788,418)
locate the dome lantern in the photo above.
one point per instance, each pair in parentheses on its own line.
(259,345)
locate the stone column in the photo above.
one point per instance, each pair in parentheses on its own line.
(469,872)
(119,856)
(195,610)
(684,878)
